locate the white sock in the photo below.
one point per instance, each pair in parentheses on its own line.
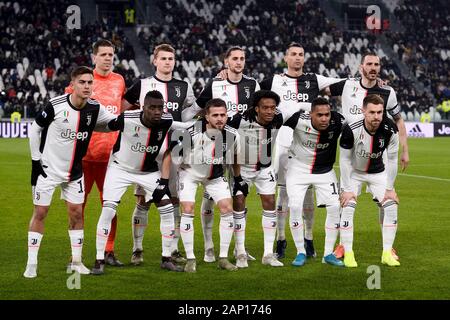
(269,224)
(296,224)
(104,227)
(346,225)
(177,220)
(140,221)
(167,228)
(331,228)
(76,242)
(389,223)
(282,212)
(34,242)
(187,234)
(381,216)
(207,219)
(239,231)
(308,213)
(226,228)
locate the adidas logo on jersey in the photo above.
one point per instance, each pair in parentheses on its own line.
(139,147)
(290,95)
(72,135)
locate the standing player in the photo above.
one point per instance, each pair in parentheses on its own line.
(133,161)
(353,91)
(297,90)
(361,160)
(179,101)
(310,162)
(257,128)
(236,89)
(210,146)
(59,139)
(108,89)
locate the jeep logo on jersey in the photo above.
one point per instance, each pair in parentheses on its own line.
(240,107)
(171,105)
(112,109)
(139,147)
(72,135)
(355,110)
(290,95)
(213,160)
(314,145)
(367,155)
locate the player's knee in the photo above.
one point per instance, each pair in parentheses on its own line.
(268,202)
(164,202)
(175,201)
(187,207)
(239,203)
(225,206)
(40,212)
(141,200)
(389,203)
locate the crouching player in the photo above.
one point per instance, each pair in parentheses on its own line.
(361,160)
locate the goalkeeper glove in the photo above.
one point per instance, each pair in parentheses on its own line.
(161,190)
(36,171)
(240,185)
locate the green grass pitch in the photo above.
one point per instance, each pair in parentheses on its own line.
(422,243)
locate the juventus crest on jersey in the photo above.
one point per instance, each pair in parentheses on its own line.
(367,148)
(66,135)
(237,95)
(137,145)
(177,94)
(208,150)
(314,150)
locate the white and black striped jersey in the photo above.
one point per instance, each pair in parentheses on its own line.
(256,140)
(66,135)
(205,152)
(367,149)
(296,93)
(314,150)
(137,145)
(178,94)
(237,95)
(352,94)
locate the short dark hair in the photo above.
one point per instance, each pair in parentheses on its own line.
(231,49)
(154,94)
(265,94)
(293,45)
(216,102)
(371,54)
(101,43)
(372,98)
(78,71)
(319,101)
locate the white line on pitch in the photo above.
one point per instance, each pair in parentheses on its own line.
(423,177)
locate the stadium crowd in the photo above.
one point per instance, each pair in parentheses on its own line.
(38,51)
